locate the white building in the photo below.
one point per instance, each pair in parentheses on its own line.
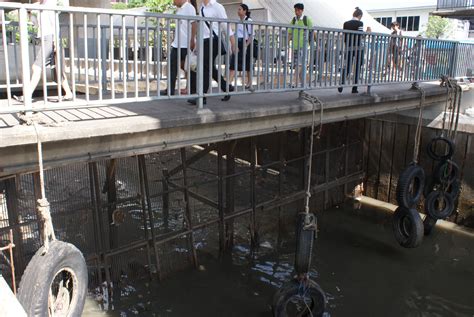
(412,15)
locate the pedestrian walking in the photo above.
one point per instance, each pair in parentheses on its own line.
(244,33)
(211,34)
(181,42)
(46,51)
(297,36)
(354,53)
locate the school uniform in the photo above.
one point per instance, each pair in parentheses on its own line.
(181,43)
(211,35)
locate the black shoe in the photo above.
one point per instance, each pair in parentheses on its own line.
(164,92)
(226,98)
(354,90)
(339,89)
(231,88)
(195,100)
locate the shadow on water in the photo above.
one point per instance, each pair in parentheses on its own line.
(356,261)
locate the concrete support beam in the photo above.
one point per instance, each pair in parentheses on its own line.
(91,140)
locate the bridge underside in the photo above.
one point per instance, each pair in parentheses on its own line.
(111,131)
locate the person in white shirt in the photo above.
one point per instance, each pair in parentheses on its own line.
(184,9)
(46,32)
(212,9)
(244,37)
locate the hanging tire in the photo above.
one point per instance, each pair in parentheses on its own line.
(438,157)
(429,224)
(439,205)
(54,283)
(454,189)
(429,186)
(410,186)
(408,227)
(304,298)
(304,243)
(446,171)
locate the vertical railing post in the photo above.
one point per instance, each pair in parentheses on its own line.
(25,58)
(200,66)
(454,60)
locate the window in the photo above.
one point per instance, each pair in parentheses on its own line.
(411,23)
(385,21)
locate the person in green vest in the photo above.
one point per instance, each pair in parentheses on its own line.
(300,41)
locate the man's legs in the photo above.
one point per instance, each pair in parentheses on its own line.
(173,70)
(215,73)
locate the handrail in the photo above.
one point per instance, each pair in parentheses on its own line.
(142,65)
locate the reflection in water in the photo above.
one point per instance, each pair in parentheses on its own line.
(356,261)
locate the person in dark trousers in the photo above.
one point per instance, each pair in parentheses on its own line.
(212,9)
(187,9)
(353,49)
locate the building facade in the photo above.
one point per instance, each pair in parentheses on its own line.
(413,17)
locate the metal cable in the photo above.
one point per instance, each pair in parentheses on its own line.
(416,149)
(314,101)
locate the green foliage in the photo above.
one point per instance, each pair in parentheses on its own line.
(158,6)
(119,6)
(14,28)
(438,27)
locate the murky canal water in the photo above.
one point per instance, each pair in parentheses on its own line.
(356,261)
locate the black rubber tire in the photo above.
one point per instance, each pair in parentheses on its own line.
(282,300)
(408,227)
(61,258)
(434,155)
(446,171)
(432,209)
(413,177)
(429,186)
(429,224)
(304,245)
(454,189)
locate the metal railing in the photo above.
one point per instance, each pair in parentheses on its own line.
(114,56)
(455,4)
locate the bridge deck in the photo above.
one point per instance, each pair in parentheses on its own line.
(108,131)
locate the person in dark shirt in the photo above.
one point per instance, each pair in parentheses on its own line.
(353,49)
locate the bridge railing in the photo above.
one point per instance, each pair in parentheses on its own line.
(115,56)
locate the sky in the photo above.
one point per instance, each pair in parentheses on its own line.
(377,4)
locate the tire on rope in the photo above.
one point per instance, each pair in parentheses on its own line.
(446,171)
(295,298)
(439,204)
(410,186)
(432,152)
(408,227)
(429,186)
(429,224)
(454,189)
(304,243)
(54,283)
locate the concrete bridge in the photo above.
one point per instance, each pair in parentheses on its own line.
(71,135)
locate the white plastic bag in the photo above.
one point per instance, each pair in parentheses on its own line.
(191,62)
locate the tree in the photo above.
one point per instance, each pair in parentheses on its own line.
(438,27)
(158,6)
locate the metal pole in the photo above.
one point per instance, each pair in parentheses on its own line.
(25,58)
(189,221)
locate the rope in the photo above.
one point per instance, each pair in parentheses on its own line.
(416,149)
(314,101)
(43,206)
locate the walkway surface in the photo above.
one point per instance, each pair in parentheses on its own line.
(106,131)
